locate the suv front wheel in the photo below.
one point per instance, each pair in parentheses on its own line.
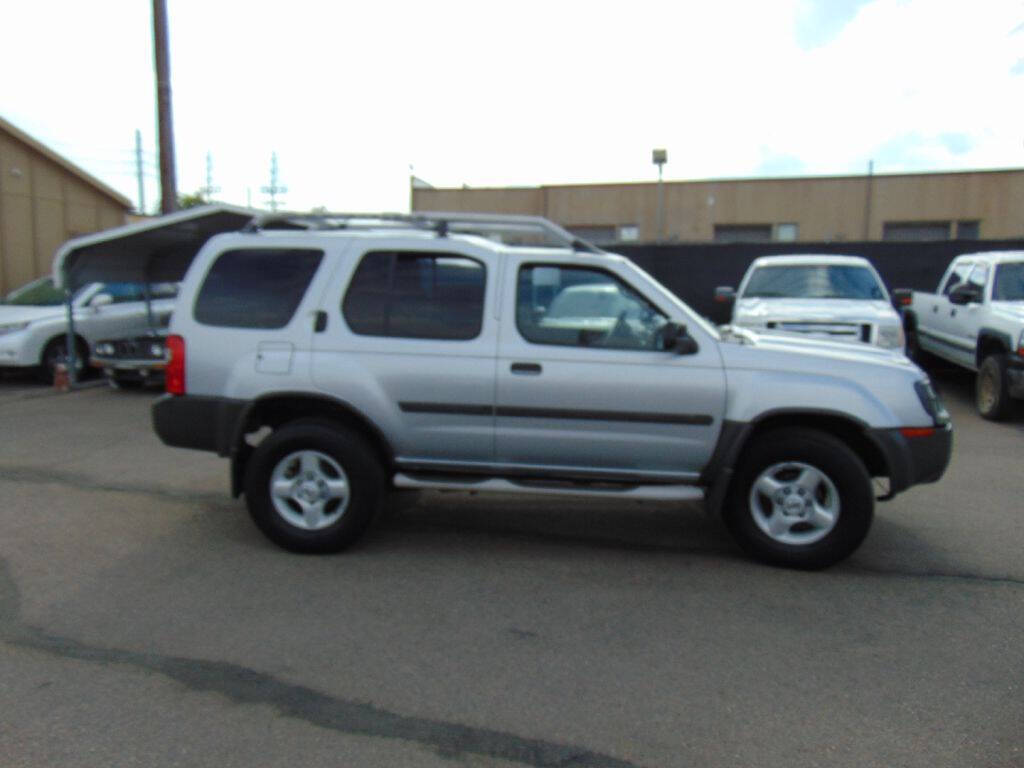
(800,498)
(313,486)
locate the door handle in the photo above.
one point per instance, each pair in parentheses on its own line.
(527,369)
(935,307)
(952,313)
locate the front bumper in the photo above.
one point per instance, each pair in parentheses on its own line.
(915,455)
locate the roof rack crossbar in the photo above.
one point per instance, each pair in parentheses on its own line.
(443,223)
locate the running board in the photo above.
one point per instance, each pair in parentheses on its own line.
(500,485)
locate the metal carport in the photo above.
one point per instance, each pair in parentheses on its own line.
(159,250)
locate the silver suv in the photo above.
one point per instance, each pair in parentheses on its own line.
(335,358)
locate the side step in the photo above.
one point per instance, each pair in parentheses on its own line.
(501,485)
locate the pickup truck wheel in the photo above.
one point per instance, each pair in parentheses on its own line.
(992,390)
(313,486)
(801,499)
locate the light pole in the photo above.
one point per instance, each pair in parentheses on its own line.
(659,157)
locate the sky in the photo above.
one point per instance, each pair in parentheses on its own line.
(351,96)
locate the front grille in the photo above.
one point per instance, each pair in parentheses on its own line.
(838,330)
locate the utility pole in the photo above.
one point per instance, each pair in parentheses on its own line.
(168,182)
(867,202)
(209,190)
(274,189)
(138,171)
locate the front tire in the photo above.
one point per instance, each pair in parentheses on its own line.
(992,389)
(313,486)
(801,498)
(55,352)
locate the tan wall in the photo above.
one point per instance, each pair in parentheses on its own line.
(41,206)
(827,208)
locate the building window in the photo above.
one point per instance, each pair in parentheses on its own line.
(743,233)
(915,230)
(787,233)
(629,233)
(968,230)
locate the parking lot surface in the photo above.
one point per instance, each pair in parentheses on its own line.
(145,621)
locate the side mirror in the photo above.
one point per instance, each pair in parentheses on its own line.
(676,338)
(101,300)
(965,294)
(902,297)
(725,298)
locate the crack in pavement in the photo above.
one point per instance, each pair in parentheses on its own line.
(248,686)
(79,481)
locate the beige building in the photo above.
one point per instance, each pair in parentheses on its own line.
(45,200)
(918,206)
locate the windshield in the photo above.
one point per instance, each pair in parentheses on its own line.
(814,281)
(39,293)
(1009,282)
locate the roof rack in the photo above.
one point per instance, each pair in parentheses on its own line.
(441,223)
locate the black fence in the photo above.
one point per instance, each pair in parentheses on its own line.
(692,271)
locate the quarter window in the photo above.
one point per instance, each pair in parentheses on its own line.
(577,307)
(416,295)
(256,288)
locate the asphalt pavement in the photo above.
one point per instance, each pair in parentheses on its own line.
(145,621)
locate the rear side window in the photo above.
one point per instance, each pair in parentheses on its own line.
(416,295)
(256,288)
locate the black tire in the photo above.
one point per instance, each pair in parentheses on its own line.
(841,467)
(913,347)
(55,352)
(352,454)
(992,390)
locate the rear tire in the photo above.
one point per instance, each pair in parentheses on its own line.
(313,486)
(800,498)
(992,390)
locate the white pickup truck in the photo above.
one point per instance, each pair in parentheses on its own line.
(975,320)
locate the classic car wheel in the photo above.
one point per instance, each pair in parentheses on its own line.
(313,486)
(801,498)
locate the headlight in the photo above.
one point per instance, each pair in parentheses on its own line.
(104,349)
(12,327)
(931,402)
(890,337)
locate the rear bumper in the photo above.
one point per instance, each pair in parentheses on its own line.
(914,459)
(201,423)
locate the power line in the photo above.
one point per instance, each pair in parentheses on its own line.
(274,189)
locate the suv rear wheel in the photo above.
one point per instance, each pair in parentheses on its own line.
(801,498)
(313,486)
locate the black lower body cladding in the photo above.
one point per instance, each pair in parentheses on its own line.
(194,421)
(914,456)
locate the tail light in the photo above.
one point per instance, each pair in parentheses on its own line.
(174,374)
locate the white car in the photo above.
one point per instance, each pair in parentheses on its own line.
(841,298)
(33,321)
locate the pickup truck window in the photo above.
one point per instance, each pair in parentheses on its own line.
(956,277)
(577,307)
(1009,282)
(815,281)
(978,276)
(416,295)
